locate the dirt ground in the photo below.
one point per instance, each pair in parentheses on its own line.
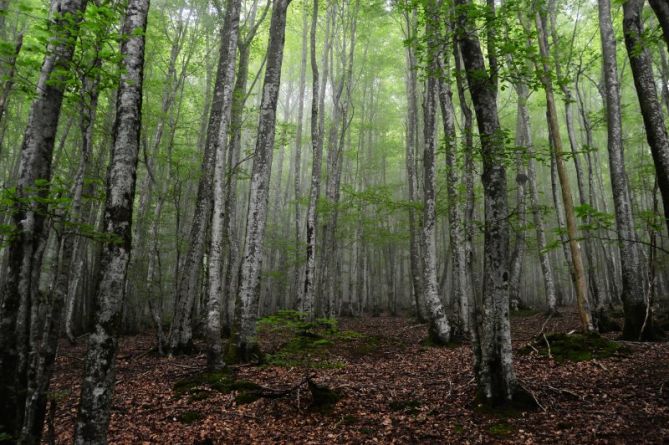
(394,389)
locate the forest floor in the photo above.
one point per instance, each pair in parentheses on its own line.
(394,388)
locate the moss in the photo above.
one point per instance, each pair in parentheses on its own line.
(501,429)
(458,428)
(576,347)
(188,417)
(410,406)
(349,419)
(200,385)
(432,341)
(193,383)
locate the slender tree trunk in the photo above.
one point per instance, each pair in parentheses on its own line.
(99,375)
(554,129)
(308,303)
(440,330)
(19,290)
(651,110)
(246,342)
(633,289)
(181,331)
(215,263)
(661,8)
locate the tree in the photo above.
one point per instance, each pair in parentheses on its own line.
(651,110)
(245,341)
(99,375)
(493,365)
(19,293)
(638,324)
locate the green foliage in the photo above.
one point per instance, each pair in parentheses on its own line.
(304,343)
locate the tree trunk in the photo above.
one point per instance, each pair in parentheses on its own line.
(634,302)
(651,110)
(215,263)
(19,290)
(492,334)
(99,375)
(440,330)
(308,303)
(246,342)
(554,129)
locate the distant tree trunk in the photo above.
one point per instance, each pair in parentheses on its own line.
(19,291)
(99,375)
(492,334)
(554,128)
(440,330)
(544,259)
(308,298)
(215,263)
(411,148)
(651,110)
(9,76)
(181,332)
(246,342)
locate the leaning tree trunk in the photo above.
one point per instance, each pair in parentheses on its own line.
(19,291)
(661,8)
(245,341)
(440,330)
(554,130)
(492,340)
(99,375)
(651,110)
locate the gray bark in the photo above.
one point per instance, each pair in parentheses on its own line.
(19,291)
(99,375)
(492,334)
(246,342)
(651,110)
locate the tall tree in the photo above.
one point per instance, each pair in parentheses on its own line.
(440,330)
(99,375)
(245,341)
(308,303)
(556,140)
(636,325)
(651,110)
(215,264)
(19,291)
(495,375)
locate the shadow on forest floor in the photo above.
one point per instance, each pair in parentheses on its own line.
(393,388)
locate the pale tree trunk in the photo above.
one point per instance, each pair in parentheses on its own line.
(637,324)
(246,343)
(19,290)
(461,283)
(181,331)
(554,130)
(298,155)
(99,375)
(651,110)
(495,375)
(544,258)
(411,148)
(440,330)
(215,263)
(308,303)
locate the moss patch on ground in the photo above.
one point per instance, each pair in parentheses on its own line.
(199,386)
(576,347)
